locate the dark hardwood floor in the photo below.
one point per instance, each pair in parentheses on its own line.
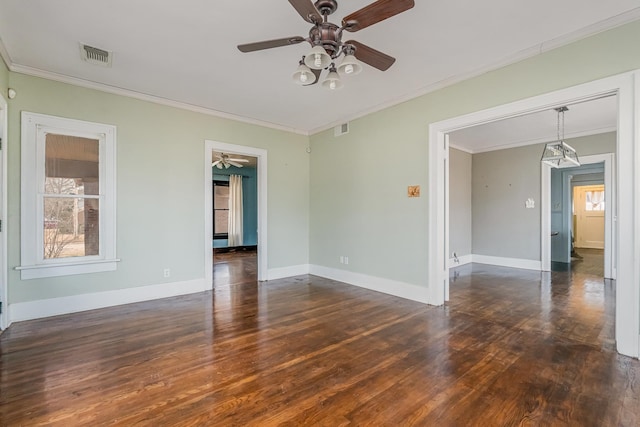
(513,347)
(232,268)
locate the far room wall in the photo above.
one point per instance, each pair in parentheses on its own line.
(493,198)
(249,203)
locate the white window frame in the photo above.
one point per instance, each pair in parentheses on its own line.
(34,130)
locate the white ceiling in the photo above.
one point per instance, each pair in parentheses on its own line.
(186,51)
(586,118)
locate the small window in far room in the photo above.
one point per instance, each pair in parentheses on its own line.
(220,209)
(594,200)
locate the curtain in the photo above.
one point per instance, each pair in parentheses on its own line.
(235,210)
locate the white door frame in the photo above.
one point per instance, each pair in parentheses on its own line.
(609,214)
(261,155)
(4,317)
(627,319)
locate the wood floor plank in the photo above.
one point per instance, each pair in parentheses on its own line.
(512,347)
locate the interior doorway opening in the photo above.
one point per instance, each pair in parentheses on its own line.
(235,219)
(627,312)
(229,235)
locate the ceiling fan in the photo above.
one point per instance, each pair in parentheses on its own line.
(326,40)
(224,161)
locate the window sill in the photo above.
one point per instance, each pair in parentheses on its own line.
(67,269)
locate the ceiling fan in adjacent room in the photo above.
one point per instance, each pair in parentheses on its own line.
(224,161)
(325,39)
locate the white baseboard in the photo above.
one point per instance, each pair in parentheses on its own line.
(462,260)
(282,272)
(72,304)
(527,264)
(379,284)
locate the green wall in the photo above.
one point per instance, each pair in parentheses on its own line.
(359,206)
(160,187)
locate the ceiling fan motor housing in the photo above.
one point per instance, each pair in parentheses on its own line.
(328,35)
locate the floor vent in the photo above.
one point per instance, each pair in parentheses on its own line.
(94,55)
(341,129)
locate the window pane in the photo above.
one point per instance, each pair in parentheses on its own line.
(221,223)
(221,197)
(594,201)
(71,165)
(71,227)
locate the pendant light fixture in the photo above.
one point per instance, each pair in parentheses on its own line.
(559,153)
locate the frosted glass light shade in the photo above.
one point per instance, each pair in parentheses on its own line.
(317,59)
(303,75)
(349,66)
(332,82)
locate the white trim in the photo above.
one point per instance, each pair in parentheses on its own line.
(34,127)
(628,242)
(75,303)
(283,272)
(545,217)
(261,173)
(462,260)
(538,49)
(378,284)
(4,294)
(526,264)
(36,72)
(532,51)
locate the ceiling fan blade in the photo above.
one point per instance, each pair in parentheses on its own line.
(215,163)
(240,160)
(374,13)
(317,74)
(373,57)
(307,10)
(268,44)
(238,165)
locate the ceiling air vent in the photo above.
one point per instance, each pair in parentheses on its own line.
(94,55)
(341,129)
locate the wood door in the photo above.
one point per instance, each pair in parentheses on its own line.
(589,207)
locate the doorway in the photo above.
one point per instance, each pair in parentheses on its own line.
(235,219)
(260,156)
(628,285)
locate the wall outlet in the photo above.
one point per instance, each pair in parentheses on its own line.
(167,272)
(346,260)
(341,259)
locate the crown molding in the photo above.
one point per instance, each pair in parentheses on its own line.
(36,72)
(5,55)
(591,30)
(598,27)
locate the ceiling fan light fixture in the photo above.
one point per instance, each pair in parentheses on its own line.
(303,75)
(332,82)
(349,66)
(317,58)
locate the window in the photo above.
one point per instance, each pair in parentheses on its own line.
(68,197)
(594,200)
(220,209)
